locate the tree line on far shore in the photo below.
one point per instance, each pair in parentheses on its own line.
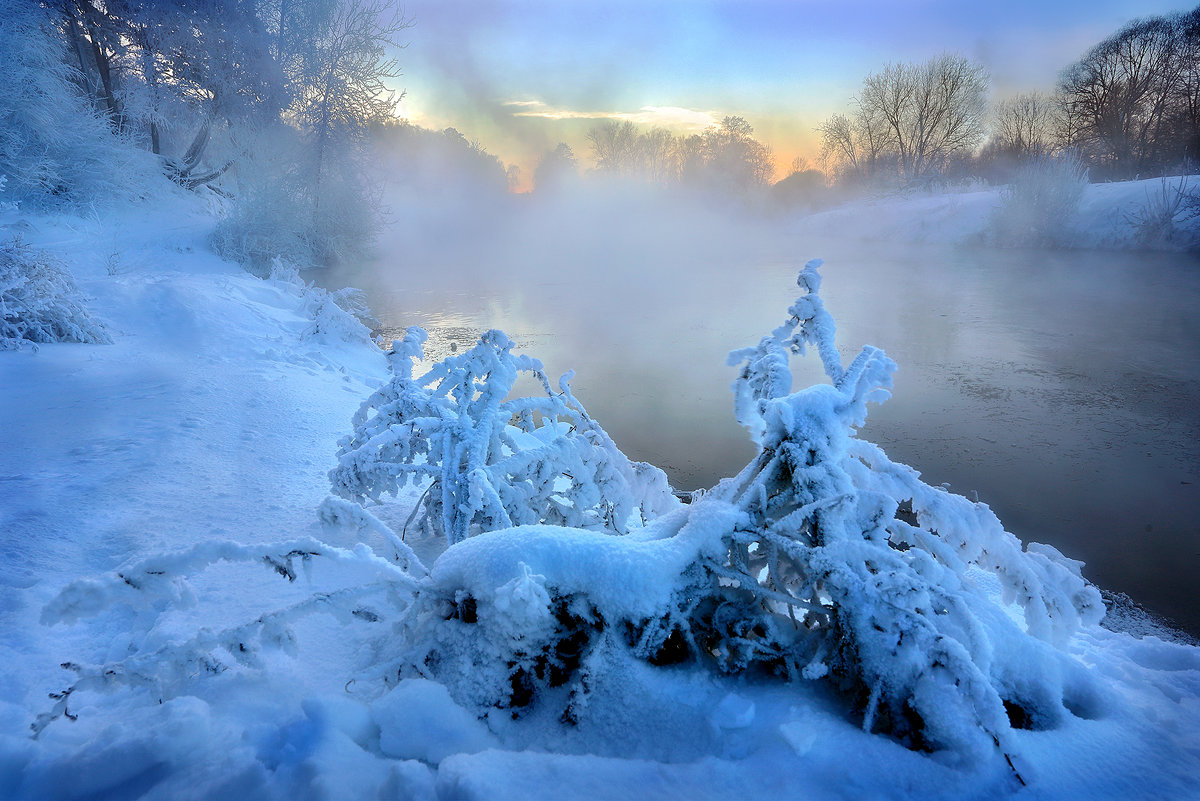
(1128,108)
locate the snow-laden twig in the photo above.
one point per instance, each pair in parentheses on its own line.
(168,668)
(333,510)
(162,576)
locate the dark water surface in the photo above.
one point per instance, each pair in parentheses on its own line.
(1062,387)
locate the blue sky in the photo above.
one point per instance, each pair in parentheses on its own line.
(522,75)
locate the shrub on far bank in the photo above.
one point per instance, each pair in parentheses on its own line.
(1038,208)
(1157,222)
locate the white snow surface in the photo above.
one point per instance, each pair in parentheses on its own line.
(214,416)
(1106,216)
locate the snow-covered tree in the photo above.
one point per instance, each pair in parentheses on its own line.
(54,147)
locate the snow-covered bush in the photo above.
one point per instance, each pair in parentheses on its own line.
(494,461)
(275,211)
(6,205)
(821,559)
(341,314)
(269,216)
(1157,222)
(1039,206)
(39,301)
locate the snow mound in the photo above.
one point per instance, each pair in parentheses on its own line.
(418,720)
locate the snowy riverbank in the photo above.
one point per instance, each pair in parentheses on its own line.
(215,415)
(1108,215)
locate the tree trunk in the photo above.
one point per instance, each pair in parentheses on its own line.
(85,70)
(103,67)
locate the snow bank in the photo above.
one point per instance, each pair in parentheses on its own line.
(1107,216)
(633,577)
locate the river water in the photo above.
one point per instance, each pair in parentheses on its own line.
(1061,387)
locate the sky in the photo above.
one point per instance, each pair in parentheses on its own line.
(519,76)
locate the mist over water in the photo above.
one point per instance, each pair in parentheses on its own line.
(1060,386)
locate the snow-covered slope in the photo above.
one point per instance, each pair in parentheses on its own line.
(215,415)
(1107,217)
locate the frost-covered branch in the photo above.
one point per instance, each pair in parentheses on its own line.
(160,581)
(166,669)
(495,461)
(162,576)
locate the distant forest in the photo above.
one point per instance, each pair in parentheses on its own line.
(281,109)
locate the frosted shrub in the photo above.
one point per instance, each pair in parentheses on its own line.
(269,216)
(6,205)
(1156,223)
(276,210)
(341,314)
(493,461)
(1039,206)
(39,302)
(822,559)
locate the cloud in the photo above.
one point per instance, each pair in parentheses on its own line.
(664,116)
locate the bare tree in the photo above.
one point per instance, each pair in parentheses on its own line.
(659,156)
(853,146)
(556,170)
(724,158)
(342,89)
(615,147)
(933,111)
(918,117)
(1025,125)
(1120,93)
(690,157)
(1186,104)
(736,162)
